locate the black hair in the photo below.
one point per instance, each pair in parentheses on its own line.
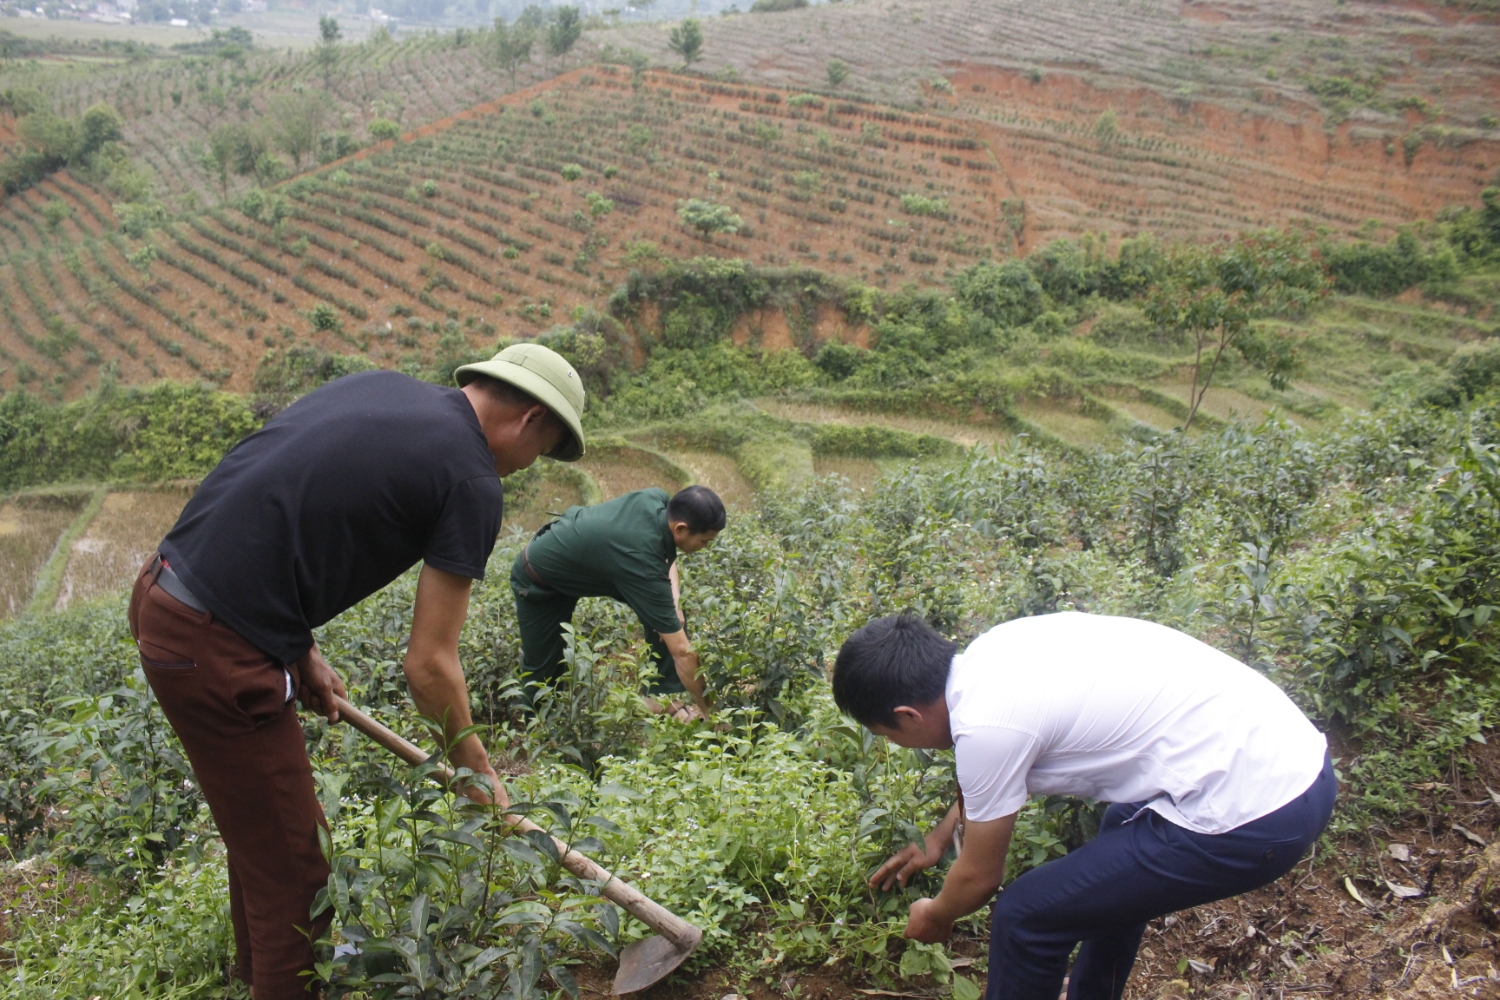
(503,391)
(700,508)
(899,660)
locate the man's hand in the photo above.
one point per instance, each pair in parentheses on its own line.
(914,858)
(318,684)
(923,924)
(685,662)
(473,790)
(907,862)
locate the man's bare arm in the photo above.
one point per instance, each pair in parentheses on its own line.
(435,675)
(971,882)
(676,582)
(686,662)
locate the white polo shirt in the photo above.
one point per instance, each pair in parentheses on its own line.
(1123,710)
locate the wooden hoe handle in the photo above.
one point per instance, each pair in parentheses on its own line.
(666,923)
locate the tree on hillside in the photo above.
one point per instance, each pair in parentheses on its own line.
(838,72)
(328,41)
(533,18)
(101,123)
(510,46)
(219,156)
(564,31)
(709,217)
(1212,296)
(686,39)
(50,142)
(296,121)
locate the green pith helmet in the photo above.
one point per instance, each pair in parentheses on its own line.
(545,375)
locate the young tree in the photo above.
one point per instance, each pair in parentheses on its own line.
(328,41)
(709,217)
(510,46)
(838,72)
(1213,294)
(686,39)
(564,31)
(220,156)
(101,124)
(533,18)
(297,122)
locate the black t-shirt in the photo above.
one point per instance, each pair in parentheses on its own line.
(332,500)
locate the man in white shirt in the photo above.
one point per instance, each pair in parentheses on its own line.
(1218,783)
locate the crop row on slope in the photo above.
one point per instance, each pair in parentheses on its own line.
(172,105)
(473,224)
(1417,52)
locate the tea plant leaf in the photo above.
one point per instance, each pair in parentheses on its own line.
(523,852)
(965,988)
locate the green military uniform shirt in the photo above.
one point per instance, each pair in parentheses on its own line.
(622,549)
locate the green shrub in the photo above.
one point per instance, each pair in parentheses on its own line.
(287,373)
(159,432)
(709,217)
(921,204)
(839,361)
(870,441)
(1007,294)
(1383,269)
(382,129)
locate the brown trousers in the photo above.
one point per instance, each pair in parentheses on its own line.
(227,702)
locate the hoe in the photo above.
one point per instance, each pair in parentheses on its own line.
(642,963)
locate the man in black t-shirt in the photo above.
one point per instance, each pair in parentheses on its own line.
(329,502)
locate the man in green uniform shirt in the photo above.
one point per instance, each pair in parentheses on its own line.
(625,548)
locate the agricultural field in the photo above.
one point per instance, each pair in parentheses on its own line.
(1184,311)
(476,218)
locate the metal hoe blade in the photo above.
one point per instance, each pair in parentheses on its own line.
(649,961)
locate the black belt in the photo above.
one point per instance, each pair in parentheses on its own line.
(536,577)
(169,581)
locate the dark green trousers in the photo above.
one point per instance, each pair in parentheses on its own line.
(541,612)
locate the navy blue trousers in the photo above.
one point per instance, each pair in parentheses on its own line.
(1136,870)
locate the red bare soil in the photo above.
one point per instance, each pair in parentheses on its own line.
(1196,168)
(817,183)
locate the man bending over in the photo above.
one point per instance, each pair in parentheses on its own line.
(1218,784)
(329,502)
(625,548)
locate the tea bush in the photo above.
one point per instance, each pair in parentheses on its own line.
(1355,567)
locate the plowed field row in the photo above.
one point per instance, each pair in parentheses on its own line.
(422,79)
(473,227)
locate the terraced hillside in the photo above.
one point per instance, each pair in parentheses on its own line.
(1190,118)
(475,221)
(1307,100)
(171,106)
